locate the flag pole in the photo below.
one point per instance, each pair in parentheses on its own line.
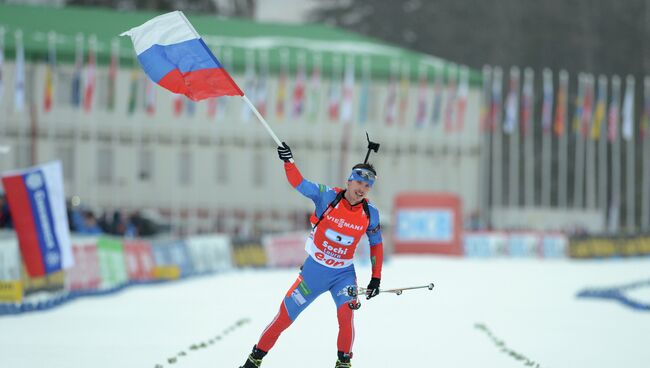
(497,159)
(547,129)
(529,155)
(263,121)
(602,149)
(628,131)
(587,126)
(562,177)
(613,221)
(645,160)
(578,172)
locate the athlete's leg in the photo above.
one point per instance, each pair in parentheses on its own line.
(304,290)
(344,313)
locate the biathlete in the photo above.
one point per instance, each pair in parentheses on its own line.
(341,218)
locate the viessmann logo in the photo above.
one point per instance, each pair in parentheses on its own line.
(341,223)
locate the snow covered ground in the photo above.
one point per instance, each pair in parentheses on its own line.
(530,305)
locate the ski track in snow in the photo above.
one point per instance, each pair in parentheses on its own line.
(530,305)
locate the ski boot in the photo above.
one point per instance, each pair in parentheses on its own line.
(255,358)
(344,360)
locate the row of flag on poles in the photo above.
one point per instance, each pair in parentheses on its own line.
(304,95)
(597,104)
(602,107)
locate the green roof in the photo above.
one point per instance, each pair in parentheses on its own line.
(232,40)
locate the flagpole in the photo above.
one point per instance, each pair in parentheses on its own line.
(76,126)
(460,121)
(51,127)
(613,222)
(484,129)
(630,192)
(590,180)
(578,169)
(645,195)
(602,148)
(5,147)
(547,118)
(497,187)
(93,136)
(263,121)
(512,112)
(22,132)
(529,149)
(114,139)
(563,184)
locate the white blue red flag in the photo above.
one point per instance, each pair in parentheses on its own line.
(174,55)
(37,204)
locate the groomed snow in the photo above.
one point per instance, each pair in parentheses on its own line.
(528,304)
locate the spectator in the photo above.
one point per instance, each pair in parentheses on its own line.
(89,226)
(5,214)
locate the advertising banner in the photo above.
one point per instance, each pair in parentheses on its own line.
(609,246)
(112,265)
(172,259)
(248,253)
(524,244)
(427,223)
(11,287)
(139,260)
(210,253)
(85,274)
(285,250)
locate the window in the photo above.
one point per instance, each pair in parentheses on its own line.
(66,155)
(105,165)
(185,168)
(258,170)
(22,155)
(222,168)
(145,165)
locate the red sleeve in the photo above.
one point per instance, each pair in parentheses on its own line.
(293,174)
(377,259)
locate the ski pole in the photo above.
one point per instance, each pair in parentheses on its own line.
(361,290)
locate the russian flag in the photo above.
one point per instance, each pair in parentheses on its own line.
(37,204)
(173,55)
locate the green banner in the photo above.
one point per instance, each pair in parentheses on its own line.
(112,263)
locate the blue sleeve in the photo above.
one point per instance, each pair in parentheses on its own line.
(374,229)
(313,191)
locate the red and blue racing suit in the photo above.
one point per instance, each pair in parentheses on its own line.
(329,266)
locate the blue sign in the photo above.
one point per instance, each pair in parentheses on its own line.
(425,225)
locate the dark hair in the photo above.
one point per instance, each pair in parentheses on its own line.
(365,166)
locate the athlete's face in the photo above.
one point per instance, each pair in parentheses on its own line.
(356,191)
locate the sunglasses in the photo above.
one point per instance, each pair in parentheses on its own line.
(366,174)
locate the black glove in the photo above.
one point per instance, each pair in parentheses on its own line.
(373,288)
(284,152)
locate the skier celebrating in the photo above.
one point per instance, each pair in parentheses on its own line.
(340,219)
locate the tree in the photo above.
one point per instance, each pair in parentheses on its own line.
(233,8)
(602,36)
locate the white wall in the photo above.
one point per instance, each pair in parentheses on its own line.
(410,158)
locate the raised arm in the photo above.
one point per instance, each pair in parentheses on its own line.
(307,188)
